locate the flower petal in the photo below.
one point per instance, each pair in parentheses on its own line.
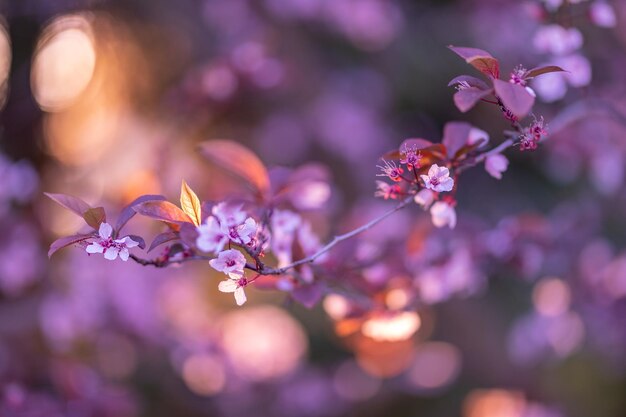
(110,253)
(95,247)
(240,296)
(105,230)
(124,254)
(227,286)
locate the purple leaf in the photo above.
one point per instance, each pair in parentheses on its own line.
(188,234)
(515,97)
(471,81)
(94,216)
(161,239)
(535,72)
(467,98)
(66,241)
(479,59)
(138,239)
(128,212)
(71,203)
(164,211)
(238,160)
(455,135)
(308,295)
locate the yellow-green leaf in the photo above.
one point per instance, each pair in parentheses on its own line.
(190,203)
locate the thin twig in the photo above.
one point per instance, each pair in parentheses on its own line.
(337,239)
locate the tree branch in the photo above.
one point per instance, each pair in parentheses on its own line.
(336,240)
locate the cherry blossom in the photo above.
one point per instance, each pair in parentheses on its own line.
(424,198)
(390,170)
(443,214)
(242,233)
(410,157)
(438,179)
(495,165)
(231,262)
(386,191)
(108,246)
(211,237)
(229,215)
(236,286)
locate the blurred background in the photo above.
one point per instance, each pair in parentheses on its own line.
(521,310)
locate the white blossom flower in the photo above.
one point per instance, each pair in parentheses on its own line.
(496,164)
(236,286)
(211,238)
(424,198)
(557,40)
(438,179)
(602,14)
(109,247)
(443,214)
(231,262)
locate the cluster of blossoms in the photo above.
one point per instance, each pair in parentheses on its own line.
(425,173)
(560,43)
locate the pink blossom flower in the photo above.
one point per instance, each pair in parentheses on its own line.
(211,237)
(386,191)
(602,14)
(443,214)
(424,198)
(231,262)
(410,157)
(284,226)
(496,164)
(557,40)
(390,170)
(236,286)
(242,233)
(477,135)
(109,247)
(438,179)
(229,215)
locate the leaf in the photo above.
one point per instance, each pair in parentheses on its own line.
(138,239)
(164,211)
(467,98)
(188,234)
(455,135)
(94,216)
(535,72)
(128,212)
(66,241)
(71,203)
(479,59)
(190,203)
(471,81)
(515,97)
(238,160)
(161,239)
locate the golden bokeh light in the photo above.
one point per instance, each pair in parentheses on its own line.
(392,327)
(551,296)
(64,62)
(494,403)
(204,374)
(5,63)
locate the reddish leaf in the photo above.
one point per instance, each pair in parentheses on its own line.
(471,81)
(467,98)
(164,211)
(128,212)
(94,216)
(66,241)
(455,136)
(415,143)
(161,239)
(515,97)
(138,239)
(71,203)
(479,59)
(238,160)
(535,72)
